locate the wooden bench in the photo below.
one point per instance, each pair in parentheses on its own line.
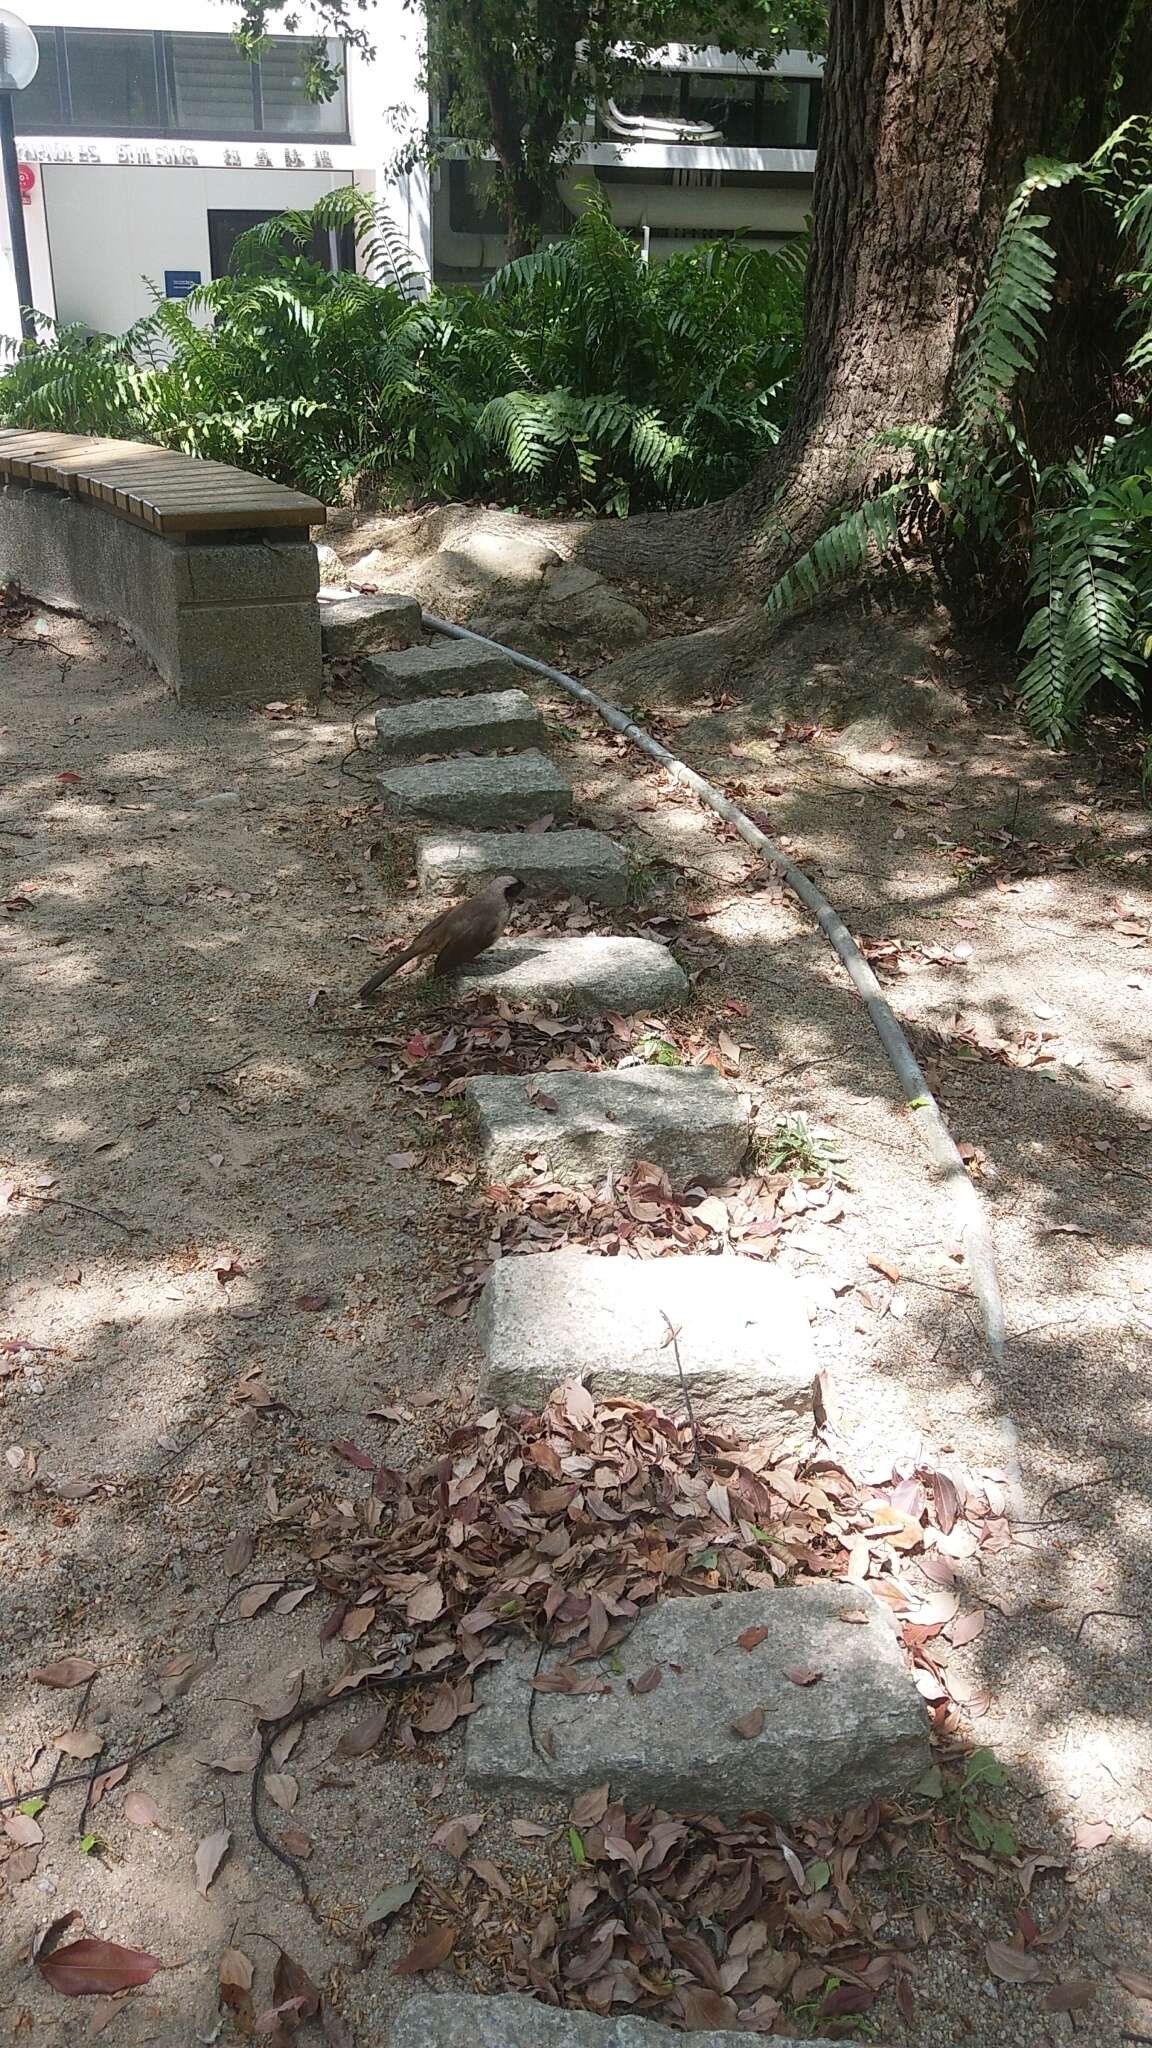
(211,570)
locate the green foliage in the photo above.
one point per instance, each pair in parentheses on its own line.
(515,79)
(1070,539)
(578,378)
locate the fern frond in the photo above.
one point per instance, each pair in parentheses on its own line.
(846,548)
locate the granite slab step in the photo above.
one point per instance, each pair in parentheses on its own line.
(445,725)
(455,2019)
(587,864)
(351,625)
(584,975)
(743,1336)
(470,791)
(448,665)
(856,1733)
(688,1120)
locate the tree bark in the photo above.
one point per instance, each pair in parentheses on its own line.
(930,110)
(929,113)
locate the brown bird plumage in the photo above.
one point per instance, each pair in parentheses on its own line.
(457,935)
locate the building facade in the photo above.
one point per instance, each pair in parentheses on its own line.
(145,151)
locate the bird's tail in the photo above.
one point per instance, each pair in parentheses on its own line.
(386,972)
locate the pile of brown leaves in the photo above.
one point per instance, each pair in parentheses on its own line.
(564,1527)
(639,1215)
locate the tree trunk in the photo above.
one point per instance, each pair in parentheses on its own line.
(930,110)
(929,113)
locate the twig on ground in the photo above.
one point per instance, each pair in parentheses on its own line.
(104,1216)
(78,1777)
(1107,1614)
(308,1711)
(674,1337)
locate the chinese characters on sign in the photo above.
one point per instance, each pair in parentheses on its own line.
(171,156)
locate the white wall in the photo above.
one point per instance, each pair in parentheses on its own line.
(111,229)
(97,223)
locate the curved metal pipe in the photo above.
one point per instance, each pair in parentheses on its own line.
(974,1231)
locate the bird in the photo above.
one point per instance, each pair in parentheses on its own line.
(458,934)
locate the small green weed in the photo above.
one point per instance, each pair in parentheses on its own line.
(794,1146)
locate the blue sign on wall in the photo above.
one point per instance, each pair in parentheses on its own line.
(180,284)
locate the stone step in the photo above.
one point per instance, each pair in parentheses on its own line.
(745,1346)
(351,625)
(444,666)
(857,1733)
(469,791)
(446,725)
(587,864)
(688,1120)
(455,2019)
(583,975)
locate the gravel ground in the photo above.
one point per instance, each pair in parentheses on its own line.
(195,1196)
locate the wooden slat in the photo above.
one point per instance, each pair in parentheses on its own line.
(155,487)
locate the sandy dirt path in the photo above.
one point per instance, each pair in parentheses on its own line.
(196,1199)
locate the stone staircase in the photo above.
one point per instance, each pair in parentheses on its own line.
(729,1333)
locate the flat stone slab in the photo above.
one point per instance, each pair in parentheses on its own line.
(588,864)
(858,1732)
(352,625)
(455,2020)
(443,725)
(583,974)
(688,1120)
(744,1340)
(511,791)
(446,665)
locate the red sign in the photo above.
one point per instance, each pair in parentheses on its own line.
(27,183)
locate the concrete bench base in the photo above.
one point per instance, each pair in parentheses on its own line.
(225,621)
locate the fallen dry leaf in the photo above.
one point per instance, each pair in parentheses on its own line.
(802,1676)
(749,1725)
(210,1854)
(1138,1982)
(282,1788)
(82,1743)
(1013,1965)
(141,1809)
(751,1638)
(65,1673)
(23,1830)
(1092,1834)
(1071,1996)
(257,1597)
(428,1954)
(364,1735)
(90,1966)
(453,1836)
(648,1680)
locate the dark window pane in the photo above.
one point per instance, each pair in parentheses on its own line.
(211,86)
(113,79)
(283,82)
(726,103)
(38,106)
(785,120)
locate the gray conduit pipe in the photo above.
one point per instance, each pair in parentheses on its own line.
(974,1231)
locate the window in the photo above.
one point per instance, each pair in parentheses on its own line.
(140,82)
(283,85)
(112,78)
(210,86)
(38,106)
(750,110)
(333,249)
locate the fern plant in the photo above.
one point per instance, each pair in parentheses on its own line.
(577,378)
(1078,531)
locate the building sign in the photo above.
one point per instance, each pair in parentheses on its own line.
(180,284)
(176,156)
(27,183)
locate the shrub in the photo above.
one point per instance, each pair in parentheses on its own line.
(577,378)
(1068,539)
